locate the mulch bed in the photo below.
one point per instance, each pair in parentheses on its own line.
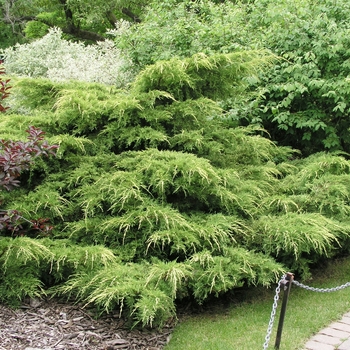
(48,325)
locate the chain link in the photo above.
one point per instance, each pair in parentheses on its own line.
(273,312)
(283,280)
(322,290)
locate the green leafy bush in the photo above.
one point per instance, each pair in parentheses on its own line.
(304,98)
(180,29)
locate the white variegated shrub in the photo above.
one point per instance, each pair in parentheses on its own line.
(58,59)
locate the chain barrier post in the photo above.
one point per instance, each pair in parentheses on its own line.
(273,313)
(286,290)
(286,281)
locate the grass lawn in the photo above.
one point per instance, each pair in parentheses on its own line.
(243,326)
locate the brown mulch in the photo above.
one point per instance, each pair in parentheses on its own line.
(49,325)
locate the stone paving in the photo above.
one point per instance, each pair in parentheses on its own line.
(335,336)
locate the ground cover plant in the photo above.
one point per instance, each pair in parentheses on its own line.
(154,197)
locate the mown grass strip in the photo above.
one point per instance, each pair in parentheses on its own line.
(243,326)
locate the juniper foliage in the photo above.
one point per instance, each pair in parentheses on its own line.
(155,196)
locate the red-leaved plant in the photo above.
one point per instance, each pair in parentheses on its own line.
(15,157)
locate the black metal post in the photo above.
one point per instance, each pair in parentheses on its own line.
(286,288)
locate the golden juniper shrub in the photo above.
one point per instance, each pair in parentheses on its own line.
(155,195)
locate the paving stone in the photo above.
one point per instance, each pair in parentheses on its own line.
(345,319)
(345,345)
(334,337)
(314,345)
(341,326)
(326,339)
(335,332)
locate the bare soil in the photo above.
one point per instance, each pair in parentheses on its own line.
(49,325)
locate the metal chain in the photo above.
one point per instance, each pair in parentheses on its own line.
(322,290)
(273,312)
(298,284)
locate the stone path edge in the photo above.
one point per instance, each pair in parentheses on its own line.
(334,337)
